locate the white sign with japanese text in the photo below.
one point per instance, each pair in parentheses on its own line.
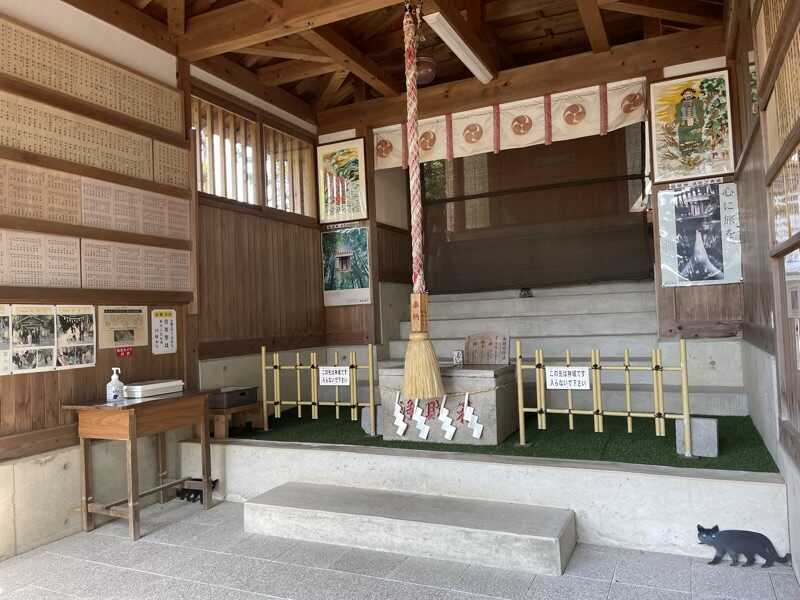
(334,375)
(567,378)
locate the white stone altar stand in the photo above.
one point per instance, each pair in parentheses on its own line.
(492,395)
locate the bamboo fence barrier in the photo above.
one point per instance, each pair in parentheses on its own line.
(342,399)
(598,412)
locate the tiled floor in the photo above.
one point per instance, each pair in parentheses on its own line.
(188,554)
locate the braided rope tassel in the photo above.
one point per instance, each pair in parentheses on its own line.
(410,39)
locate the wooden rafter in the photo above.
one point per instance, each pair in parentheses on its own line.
(350,58)
(237,75)
(465,32)
(593,23)
(332,84)
(562,74)
(176,16)
(270,4)
(293,70)
(243,24)
(682,11)
(286,50)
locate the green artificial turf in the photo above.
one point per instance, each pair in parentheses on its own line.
(740,445)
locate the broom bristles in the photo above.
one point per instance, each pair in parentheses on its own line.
(422,378)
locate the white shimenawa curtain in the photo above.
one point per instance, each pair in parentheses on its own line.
(594,110)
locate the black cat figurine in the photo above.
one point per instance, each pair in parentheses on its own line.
(735,543)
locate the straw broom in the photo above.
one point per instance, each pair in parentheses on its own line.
(422,378)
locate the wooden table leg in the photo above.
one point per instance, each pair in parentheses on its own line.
(161,440)
(220,427)
(205,458)
(87,518)
(132,466)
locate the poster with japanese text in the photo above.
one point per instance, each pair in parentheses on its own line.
(164,323)
(345,266)
(122,326)
(33,338)
(5,339)
(75,337)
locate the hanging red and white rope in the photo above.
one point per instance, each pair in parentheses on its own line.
(410,38)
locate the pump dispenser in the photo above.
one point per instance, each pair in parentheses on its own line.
(114,387)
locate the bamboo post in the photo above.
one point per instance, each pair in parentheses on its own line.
(353,387)
(593,360)
(373,417)
(520,395)
(299,389)
(336,388)
(276,382)
(541,398)
(627,375)
(660,373)
(687,417)
(654,363)
(314,387)
(264,398)
(599,375)
(570,416)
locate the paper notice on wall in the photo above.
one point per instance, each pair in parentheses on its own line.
(5,339)
(75,337)
(165,331)
(37,260)
(567,378)
(33,338)
(121,326)
(334,376)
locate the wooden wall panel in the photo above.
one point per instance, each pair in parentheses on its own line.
(32,404)
(260,283)
(394,254)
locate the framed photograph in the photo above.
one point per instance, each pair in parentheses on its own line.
(690,125)
(698,228)
(345,266)
(341,178)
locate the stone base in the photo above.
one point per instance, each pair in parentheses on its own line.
(495,534)
(705,438)
(365,425)
(493,396)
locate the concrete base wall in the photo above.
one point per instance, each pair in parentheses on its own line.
(632,506)
(40,496)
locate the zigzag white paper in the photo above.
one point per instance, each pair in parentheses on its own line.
(471,417)
(399,417)
(419,418)
(447,422)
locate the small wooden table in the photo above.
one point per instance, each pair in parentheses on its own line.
(235,414)
(127,421)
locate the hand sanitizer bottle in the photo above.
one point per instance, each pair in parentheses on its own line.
(114,387)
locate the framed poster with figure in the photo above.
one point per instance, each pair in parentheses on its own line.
(341,177)
(690,125)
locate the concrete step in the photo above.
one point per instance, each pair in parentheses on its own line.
(627,302)
(642,322)
(591,289)
(496,534)
(610,346)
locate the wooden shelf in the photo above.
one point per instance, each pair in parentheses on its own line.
(94,233)
(11,294)
(57,164)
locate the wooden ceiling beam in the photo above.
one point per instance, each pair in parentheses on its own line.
(286,50)
(558,75)
(243,24)
(682,11)
(270,4)
(350,58)
(125,17)
(237,75)
(332,84)
(448,16)
(593,23)
(176,17)
(288,71)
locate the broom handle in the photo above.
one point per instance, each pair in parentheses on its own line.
(410,39)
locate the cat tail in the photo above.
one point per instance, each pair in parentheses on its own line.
(785,559)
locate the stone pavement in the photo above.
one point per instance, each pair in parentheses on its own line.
(188,554)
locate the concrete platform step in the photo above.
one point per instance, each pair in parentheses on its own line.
(497,534)
(643,322)
(544,305)
(594,288)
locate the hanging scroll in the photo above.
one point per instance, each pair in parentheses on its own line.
(41,129)
(41,60)
(38,260)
